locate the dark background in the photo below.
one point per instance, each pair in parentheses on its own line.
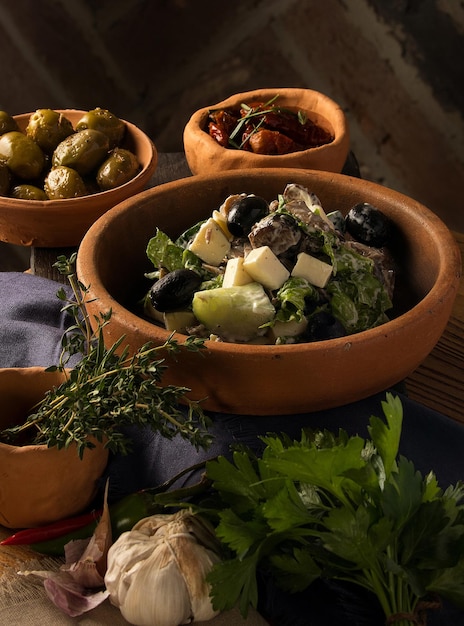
(395,67)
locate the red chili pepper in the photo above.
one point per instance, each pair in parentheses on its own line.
(124,513)
(51,531)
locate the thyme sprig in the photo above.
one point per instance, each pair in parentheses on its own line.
(257,115)
(249,115)
(109,390)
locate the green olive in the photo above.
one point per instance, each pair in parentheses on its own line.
(83,151)
(120,167)
(7,123)
(28,192)
(104,121)
(48,128)
(22,155)
(64,182)
(5,179)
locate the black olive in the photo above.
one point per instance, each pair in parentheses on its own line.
(322,326)
(338,220)
(368,225)
(244,213)
(174,291)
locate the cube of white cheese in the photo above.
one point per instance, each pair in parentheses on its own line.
(151,312)
(235,274)
(174,320)
(265,268)
(313,270)
(210,243)
(179,320)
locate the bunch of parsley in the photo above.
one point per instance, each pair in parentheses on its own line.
(337,507)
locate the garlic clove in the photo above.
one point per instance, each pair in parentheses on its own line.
(195,561)
(157,572)
(89,567)
(159,596)
(145,582)
(125,558)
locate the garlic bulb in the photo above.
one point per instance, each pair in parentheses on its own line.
(157,571)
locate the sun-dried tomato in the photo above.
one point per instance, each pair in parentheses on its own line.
(266,141)
(221,124)
(276,131)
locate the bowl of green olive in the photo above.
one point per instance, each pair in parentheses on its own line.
(61,169)
(310,289)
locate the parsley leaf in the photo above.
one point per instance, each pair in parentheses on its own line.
(338,507)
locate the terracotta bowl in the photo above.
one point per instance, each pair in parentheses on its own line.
(62,223)
(40,485)
(264,380)
(206,156)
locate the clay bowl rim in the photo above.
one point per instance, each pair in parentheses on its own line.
(449,259)
(337,122)
(32,383)
(23,373)
(55,205)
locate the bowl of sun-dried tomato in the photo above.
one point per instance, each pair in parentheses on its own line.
(288,127)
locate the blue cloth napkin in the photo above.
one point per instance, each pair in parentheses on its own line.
(31,326)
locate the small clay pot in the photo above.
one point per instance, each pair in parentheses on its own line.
(206,156)
(40,485)
(63,223)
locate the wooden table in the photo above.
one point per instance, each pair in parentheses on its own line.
(439,381)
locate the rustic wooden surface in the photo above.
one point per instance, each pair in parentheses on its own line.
(439,381)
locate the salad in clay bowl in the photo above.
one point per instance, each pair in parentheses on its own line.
(309,289)
(274,272)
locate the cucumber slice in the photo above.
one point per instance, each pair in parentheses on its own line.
(234,313)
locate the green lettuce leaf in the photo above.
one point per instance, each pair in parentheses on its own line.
(291,299)
(359,300)
(170,256)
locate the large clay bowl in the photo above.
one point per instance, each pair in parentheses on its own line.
(62,223)
(40,485)
(263,380)
(206,156)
